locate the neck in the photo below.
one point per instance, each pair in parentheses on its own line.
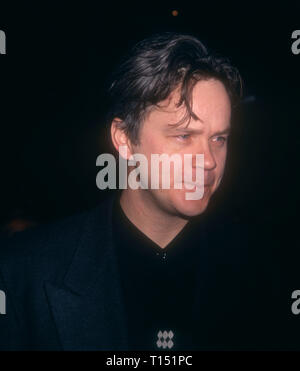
(156,223)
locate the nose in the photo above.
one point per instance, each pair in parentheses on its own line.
(209,160)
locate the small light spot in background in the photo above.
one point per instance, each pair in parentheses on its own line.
(174,13)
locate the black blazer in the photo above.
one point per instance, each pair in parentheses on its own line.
(61,286)
(63,290)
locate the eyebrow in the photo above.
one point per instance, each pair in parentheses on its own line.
(188,130)
(222,132)
(200,131)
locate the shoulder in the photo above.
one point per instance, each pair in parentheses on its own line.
(47,250)
(52,241)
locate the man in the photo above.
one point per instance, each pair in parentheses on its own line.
(146,270)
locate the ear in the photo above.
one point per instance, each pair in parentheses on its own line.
(119,137)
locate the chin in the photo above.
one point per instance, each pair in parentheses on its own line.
(190,208)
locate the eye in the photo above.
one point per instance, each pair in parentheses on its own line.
(220,140)
(183,136)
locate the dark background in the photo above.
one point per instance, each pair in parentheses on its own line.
(53,102)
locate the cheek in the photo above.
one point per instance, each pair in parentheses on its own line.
(221,161)
(155,143)
(221,157)
(151,144)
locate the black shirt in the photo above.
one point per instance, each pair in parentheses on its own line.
(206,290)
(158,285)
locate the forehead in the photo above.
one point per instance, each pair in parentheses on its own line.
(209,102)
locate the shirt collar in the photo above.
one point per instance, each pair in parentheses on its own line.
(132,240)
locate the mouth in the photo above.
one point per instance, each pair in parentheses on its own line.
(199,186)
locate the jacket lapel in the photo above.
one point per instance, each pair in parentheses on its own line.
(87,307)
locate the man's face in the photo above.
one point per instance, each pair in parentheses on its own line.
(207,135)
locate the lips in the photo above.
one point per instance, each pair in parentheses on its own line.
(198,185)
(206,185)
